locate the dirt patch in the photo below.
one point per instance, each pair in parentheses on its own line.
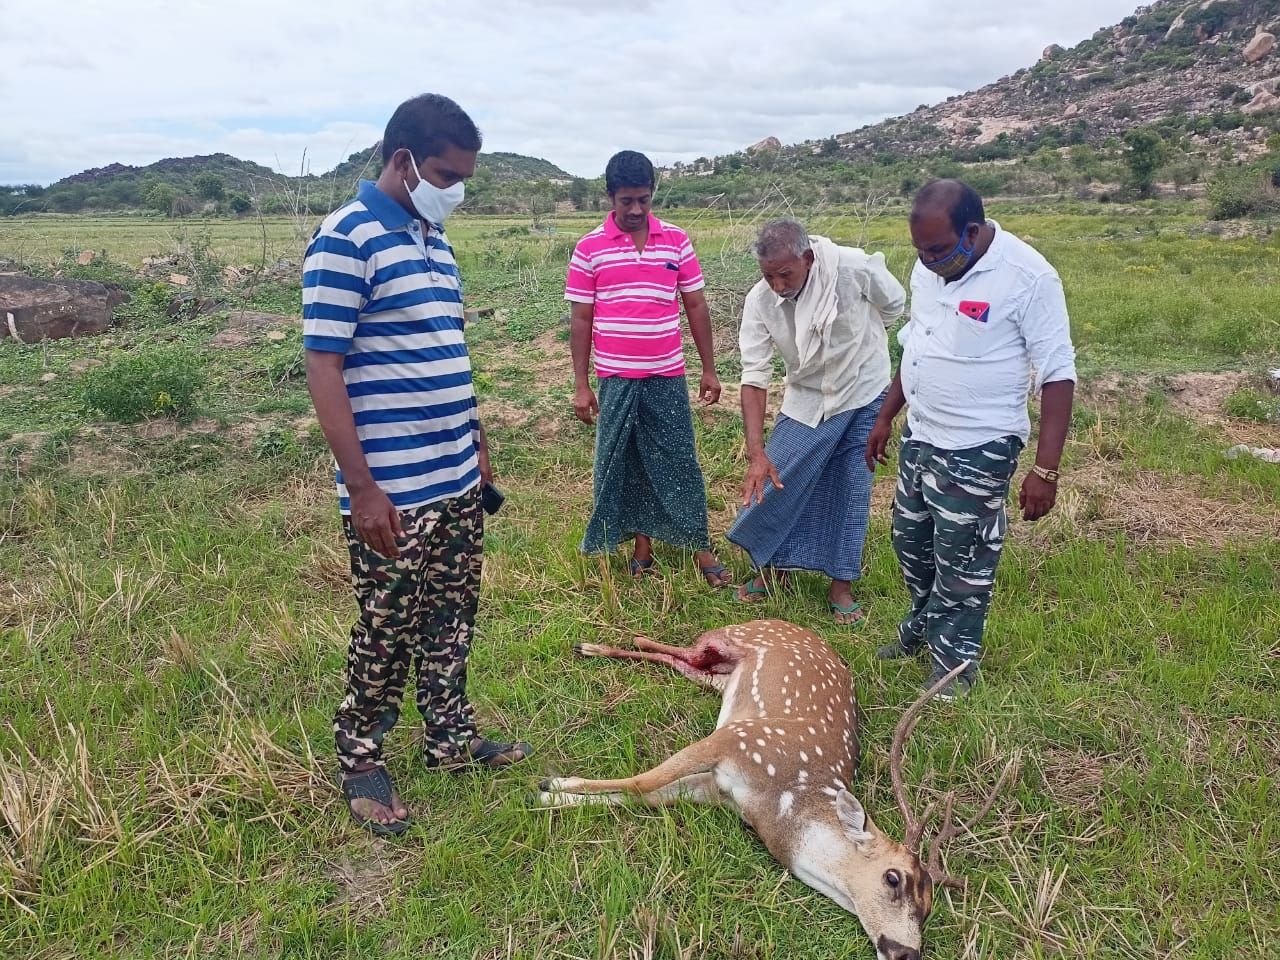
(366,883)
(1151,508)
(1200,397)
(1075,778)
(551,359)
(245,327)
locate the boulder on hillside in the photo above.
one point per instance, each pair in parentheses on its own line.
(768,143)
(1262,101)
(1257,48)
(33,310)
(1052,51)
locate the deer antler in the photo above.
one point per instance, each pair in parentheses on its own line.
(907,723)
(950,829)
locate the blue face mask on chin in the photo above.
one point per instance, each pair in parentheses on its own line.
(955,262)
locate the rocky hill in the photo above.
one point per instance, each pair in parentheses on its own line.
(1209,69)
(181,186)
(497,167)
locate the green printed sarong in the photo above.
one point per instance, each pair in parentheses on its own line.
(647,478)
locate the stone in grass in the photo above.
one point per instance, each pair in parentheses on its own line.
(276,336)
(32,310)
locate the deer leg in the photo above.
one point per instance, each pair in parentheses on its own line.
(699,676)
(689,774)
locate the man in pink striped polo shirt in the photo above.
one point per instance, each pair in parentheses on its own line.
(623,281)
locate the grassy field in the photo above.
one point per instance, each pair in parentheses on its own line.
(174,606)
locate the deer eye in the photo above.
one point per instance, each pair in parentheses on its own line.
(893,878)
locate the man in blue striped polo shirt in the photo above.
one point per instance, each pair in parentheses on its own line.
(390,378)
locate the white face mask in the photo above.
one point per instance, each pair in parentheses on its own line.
(433,204)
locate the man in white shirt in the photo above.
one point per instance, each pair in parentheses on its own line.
(988,324)
(824,308)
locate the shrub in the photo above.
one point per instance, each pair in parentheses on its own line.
(156,382)
(1247,404)
(1241,192)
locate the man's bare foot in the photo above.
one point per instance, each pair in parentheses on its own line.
(844,608)
(713,571)
(641,557)
(374,801)
(755,589)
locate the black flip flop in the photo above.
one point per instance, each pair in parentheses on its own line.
(374,785)
(490,753)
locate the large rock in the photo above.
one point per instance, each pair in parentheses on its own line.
(768,143)
(1261,101)
(33,310)
(1259,47)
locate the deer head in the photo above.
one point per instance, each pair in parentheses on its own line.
(842,853)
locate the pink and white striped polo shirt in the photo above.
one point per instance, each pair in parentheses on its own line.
(635,329)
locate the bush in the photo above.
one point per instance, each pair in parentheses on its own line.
(158,382)
(1241,192)
(1246,404)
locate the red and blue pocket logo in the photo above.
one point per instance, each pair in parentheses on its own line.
(976,310)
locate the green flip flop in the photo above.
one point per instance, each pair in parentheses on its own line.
(854,607)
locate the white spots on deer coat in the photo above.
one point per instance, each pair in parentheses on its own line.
(742,745)
(784,803)
(771,770)
(759,741)
(756,758)
(818,751)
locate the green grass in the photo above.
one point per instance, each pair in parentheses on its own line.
(174,605)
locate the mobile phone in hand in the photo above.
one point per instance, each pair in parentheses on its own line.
(491,498)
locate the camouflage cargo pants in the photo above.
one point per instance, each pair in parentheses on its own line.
(416,610)
(949,523)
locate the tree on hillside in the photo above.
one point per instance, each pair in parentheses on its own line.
(162,197)
(1145,154)
(210,186)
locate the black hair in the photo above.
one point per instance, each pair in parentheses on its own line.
(628,169)
(427,126)
(960,200)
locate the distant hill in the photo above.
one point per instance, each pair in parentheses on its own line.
(219,183)
(1208,70)
(500,167)
(1192,63)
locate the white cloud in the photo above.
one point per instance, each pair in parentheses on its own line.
(132,81)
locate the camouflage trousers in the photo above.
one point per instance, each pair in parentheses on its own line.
(417,610)
(949,523)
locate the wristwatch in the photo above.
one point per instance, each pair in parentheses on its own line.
(1044,473)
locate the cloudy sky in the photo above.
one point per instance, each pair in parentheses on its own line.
(85,83)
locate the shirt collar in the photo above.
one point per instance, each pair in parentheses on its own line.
(995,251)
(389,213)
(614,231)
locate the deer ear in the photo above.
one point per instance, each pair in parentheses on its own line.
(852,817)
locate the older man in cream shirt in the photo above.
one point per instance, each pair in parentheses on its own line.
(824,309)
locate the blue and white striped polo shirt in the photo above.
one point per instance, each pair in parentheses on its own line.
(377,290)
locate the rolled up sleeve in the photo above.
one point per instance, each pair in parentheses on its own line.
(756,346)
(1046,329)
(882,289)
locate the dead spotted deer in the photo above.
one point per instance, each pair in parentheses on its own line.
(783,754)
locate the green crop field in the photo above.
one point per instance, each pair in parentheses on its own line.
(174,604)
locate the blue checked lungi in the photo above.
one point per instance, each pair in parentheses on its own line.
(818,521)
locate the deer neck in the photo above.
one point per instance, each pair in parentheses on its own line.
(822,852)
